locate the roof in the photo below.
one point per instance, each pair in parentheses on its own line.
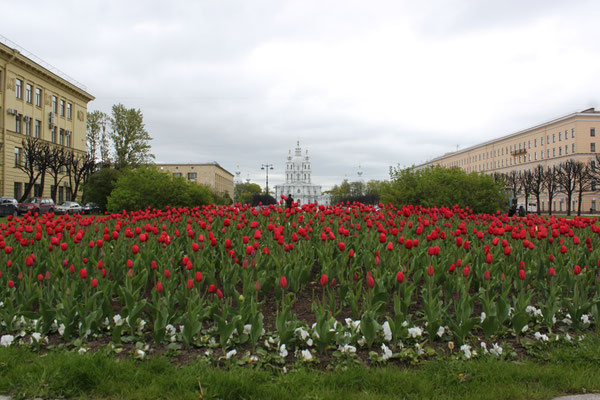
(211,164)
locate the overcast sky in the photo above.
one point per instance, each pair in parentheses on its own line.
(379,83)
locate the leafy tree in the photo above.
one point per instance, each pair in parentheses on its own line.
(97,137)
(99,186)
(438,186)
(243,192)
(355,192)
(147,186)
(130,138)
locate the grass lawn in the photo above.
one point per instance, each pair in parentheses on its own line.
(555,370)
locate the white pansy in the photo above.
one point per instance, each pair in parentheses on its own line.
(6,340)
(118,320)
(267,345)
(309,342)
(496,350)
(387,331)
(141,325)
(405,324)
(247,329)
(82,350)
(386,352)
(170,329)
(253,358)
(553,320)
(347,349)
(541,336)
(568,337)
(530,310)
(466,349)
(483,347)
(139,353)
(525,329)
(420,350)
(441,330)
(306,355)
(415,331)
(585,319)
(283,351)
(230,354)
(61,329)
(361,342)
(36,336)
(482,317)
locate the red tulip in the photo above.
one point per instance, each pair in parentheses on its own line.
(94,282)
(521,274)
(370,281)
(11,284)
(551,271)
(219,294)
(341,246)
(577,269)
(283,282)
(211,289)
(190,284)
(323,281)
(195,247)
(40,277)
(83,273)
(466,271)
(159,287)
(486,275)
(390,246)
(167,273)
(400,277)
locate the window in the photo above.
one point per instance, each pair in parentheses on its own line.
(28,126)
(542,141)
(38,128)
(593,204)
(54,104)
(62,108)
(38,97)
(548,154)
(28,97)
(17,190)
(191,176)
(68,135)
(37,190)
(592,131)
(535,155)
(17,156)
(18,124)
(61,194)
(573,132)
(61,137)
(554,152)
(547,139)
(69,108)
(560,151)
(567,149)
(177,174)
(554,138)
(542,154)
(534,142)
(559,136)
(593,147)
(19,88)
(573,148)
(54,135)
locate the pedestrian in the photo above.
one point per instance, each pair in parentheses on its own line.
(289,202)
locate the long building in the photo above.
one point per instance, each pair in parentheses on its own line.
(572,136)
(36,101)
(210,174)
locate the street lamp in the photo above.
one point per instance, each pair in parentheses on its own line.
(266,168)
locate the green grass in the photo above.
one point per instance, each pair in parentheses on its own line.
(560,369)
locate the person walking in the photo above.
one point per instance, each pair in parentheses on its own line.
(289,202)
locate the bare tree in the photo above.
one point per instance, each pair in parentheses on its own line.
(551,185)
(56,165)
(567,181)
(78,170)
(526,181)
(537,185)
(583,176)
(28,163)
(513,183)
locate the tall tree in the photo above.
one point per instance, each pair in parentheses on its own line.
(551,185)
(130,138)
(567,182)
(526,181)
(97,137)
(513,183)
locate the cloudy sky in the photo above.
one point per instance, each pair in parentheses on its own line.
(379,83)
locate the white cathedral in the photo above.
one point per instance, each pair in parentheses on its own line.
(297,180)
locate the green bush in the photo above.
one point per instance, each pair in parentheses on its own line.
(99,186)
(147,186)
(439,186)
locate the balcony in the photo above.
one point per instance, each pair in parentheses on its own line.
(518,152)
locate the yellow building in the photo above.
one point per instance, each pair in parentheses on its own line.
(572,136)
(211,174)
(41,102)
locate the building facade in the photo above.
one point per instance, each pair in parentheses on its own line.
(210,174)
(297,180)
(572,136)
(37,102)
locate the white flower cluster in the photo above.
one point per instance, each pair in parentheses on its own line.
(534,312)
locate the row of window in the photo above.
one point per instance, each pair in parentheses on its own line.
(516,149)
(60,136)
(65,108)
(190,175)
(64,194)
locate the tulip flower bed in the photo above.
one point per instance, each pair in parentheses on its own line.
(302,284)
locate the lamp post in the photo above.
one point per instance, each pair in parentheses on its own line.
(266,168)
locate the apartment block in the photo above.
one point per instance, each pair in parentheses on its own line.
(210,174)
(36,100)
(572,136)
